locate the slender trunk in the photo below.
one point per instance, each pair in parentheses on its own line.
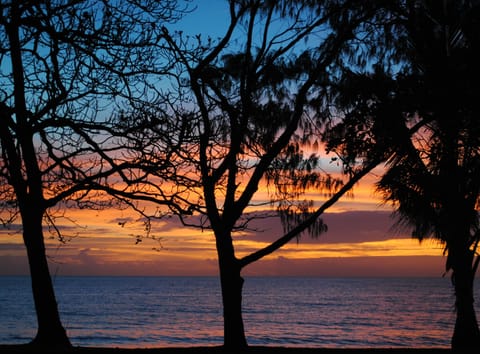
(466,334)
(232,287)
(50,332)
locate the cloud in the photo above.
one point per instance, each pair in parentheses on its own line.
(402,266)
(85,258)
(12,247)
(406,266)
(358,243)
(13,265)
(343,227)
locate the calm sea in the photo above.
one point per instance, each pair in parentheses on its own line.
(184,311)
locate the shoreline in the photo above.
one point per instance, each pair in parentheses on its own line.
(28,349)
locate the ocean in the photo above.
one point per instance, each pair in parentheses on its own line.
(278,311)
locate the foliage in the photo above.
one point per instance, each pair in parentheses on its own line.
(240,114)
(72,62)
(63,64)
(422,117)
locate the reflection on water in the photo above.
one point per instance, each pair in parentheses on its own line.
(351,312)
(183,311)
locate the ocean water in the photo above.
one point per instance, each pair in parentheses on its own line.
(186,311)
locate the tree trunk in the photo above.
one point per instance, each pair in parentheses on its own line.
(466,334)
(51,333)
(232,287)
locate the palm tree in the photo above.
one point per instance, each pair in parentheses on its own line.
(435,188)
(424,121)
(434,181)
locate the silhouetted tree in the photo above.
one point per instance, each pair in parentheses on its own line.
(425,112)
(240,113)
(63,65)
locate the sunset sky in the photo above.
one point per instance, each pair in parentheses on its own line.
(359,241)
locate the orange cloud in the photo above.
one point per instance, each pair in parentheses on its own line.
(357,243)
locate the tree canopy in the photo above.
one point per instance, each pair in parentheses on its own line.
(424,114)
(62,65)
(240,114)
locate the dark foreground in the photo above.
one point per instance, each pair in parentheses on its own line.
(25,349)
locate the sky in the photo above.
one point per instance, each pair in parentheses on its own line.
(360,240)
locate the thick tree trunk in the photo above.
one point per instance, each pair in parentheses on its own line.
(466,334)
(232,287)
(51,333)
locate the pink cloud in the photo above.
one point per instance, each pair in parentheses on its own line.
(344,227)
